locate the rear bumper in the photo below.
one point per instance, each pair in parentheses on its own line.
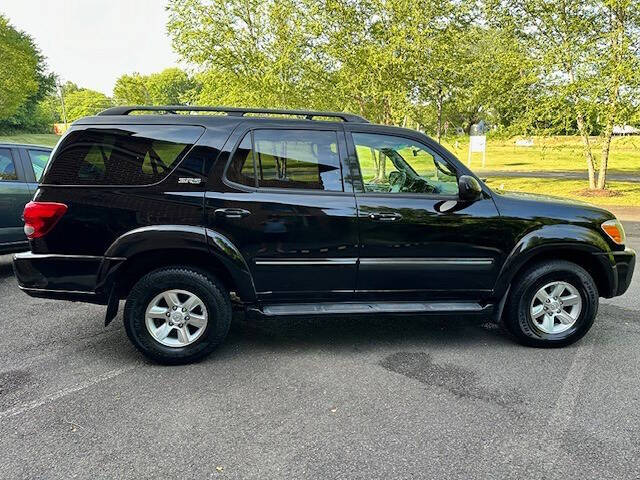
(625,263)
(63,277)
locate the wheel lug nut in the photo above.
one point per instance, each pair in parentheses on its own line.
(168,314)
(175,308)
(184,309)
(187,317)
(171,324)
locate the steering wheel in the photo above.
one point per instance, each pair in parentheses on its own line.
(439,167)
(419,185)
(396,181)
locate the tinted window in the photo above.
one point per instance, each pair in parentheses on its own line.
(303,159)
(7,167)
(241,170)
(39,159)
(398,165)
(120,155)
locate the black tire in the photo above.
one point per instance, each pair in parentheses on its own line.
(209,289)
(518,319)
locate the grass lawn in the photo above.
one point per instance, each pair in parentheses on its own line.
(45,139)
(626,193)
(548,153)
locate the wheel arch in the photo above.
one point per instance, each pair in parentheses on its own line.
(149,248)
(575,244)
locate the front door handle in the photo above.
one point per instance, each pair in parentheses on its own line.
(232,212)
(385,216)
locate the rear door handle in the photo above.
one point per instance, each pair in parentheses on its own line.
(385,216)
(232,212)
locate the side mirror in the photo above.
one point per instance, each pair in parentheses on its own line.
(469,188)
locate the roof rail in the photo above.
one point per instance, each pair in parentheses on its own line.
(236,112)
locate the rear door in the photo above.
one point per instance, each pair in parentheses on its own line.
(281,200)
(14,194)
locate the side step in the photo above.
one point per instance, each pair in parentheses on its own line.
(372,307)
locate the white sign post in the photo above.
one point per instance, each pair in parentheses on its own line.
(478,143)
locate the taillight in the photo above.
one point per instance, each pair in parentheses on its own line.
(41,217)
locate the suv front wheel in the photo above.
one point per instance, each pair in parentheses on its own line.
(177,315)
(552,304)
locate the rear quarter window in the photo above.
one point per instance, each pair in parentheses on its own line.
(39,159)
(120,155)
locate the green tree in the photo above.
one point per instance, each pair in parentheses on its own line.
(23,79)
(82,102)
(131,90)
(18,69)
(172,86)
(249,52)
(587,55)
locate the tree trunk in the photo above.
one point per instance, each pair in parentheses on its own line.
(374,157)
(602,175)
(587,150)
(439,103)
(608,133)
(381,168)
(613,100)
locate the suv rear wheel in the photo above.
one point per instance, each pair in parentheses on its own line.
(552,304)
(177,314)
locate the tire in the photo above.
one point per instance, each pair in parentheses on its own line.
(554,329)
(197,337)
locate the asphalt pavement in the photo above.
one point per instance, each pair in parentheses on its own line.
(380,397)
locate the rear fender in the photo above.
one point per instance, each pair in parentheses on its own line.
(177,237)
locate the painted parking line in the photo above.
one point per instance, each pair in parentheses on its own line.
(25,407)
(563,410)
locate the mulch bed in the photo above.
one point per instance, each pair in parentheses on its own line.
(598,193)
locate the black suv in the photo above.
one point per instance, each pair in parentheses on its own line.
(301,213)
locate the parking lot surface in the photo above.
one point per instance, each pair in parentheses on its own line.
(380,397)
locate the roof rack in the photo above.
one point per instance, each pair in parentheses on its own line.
(236,112)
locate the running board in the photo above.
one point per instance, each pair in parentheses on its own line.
(372,307)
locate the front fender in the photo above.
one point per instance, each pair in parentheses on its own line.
(555,238)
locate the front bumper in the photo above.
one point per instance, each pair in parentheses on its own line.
(625,263)
(64,277)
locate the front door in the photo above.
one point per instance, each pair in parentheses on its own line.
(417,239)
(281,200)
(14,194)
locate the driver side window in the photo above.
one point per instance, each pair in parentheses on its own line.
(392,164)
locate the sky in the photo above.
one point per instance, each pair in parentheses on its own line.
(92,42)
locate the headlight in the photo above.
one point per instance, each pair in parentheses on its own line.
(614,230)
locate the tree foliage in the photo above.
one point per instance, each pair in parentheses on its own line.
(522,66)
(171,86)
(587,55)
(23,79)
(81,102)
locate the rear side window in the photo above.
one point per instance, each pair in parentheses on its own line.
(120,155)
(39,159)
(7,167)
(302,159)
